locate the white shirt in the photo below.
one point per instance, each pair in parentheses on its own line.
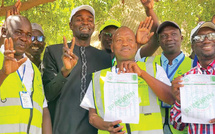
(138,56)
(88,101)
(28,77)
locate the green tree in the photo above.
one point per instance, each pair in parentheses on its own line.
(187,13)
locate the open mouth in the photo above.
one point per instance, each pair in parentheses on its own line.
(207,47)
(84,29)
(35,48)
(125,49)
(170,45)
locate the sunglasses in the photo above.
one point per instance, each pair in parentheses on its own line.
(201,38)
(38,38)
(108,34)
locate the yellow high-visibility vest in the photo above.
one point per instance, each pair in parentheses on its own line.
(150,116)
(184,67)
(13,118)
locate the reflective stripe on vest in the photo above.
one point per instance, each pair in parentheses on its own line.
(12,128)
(147,112)
(11,111)
(98,95)
(184,67)
(16,102)
(153,107)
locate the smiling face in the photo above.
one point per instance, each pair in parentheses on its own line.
(19,29)
(206,48)
(82,25)
(170,40)
(106,37)
(36,47)
(124,44)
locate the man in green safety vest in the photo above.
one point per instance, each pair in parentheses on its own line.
(151,86)
(23,105)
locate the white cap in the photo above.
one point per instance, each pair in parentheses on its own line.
(199,26)
(82,7)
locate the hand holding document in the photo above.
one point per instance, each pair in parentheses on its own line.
(197,98)
(121,97)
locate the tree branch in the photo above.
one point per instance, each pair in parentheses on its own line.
(25,5)
(2,4)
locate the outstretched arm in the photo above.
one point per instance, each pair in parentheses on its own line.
(149,48)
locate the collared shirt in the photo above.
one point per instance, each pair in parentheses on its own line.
(171,69)
(164,63)
(176,110)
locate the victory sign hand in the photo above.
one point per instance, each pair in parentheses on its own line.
(10,64)
(69,58)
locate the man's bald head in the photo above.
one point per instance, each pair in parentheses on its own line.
(122,29)
(19,29)
(14,21)
(124,44)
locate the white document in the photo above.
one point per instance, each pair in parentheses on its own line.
(198,98)
(121,97)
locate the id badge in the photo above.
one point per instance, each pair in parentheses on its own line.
(165,105)
(25,100)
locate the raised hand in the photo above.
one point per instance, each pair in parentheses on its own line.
(148,3)
(175,88)
(15,10)
(143,34)
(10,64)
(69,58)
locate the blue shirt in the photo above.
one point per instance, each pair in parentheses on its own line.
(173,67)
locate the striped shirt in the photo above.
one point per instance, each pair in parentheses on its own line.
(175,112)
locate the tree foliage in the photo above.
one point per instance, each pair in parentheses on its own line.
(54,17)
(187,14)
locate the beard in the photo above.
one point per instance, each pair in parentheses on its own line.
(84,36)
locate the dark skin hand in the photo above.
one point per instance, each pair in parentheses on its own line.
(162,90)
(148,3)
(116,130)
(176,91)
(15,10)
(10,64)
(69,58)
(176,88)
(99,123)
(143,31)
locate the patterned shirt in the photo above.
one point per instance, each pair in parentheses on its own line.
(175,112)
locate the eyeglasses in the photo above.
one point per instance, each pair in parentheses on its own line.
(201,38)
(38,38)
(108,34)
